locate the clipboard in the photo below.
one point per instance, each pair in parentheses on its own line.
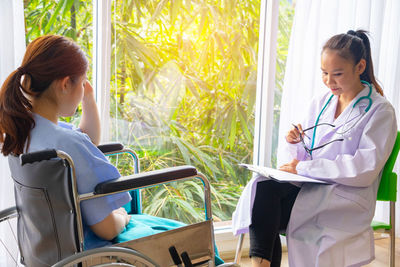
(280,176)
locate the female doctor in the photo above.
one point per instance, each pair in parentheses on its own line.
(346,137)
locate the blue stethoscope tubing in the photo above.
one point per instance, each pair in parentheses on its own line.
(368,97)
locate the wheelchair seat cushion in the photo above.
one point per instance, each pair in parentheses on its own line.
(142,225)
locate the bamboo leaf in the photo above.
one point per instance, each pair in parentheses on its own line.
(158,10)
(187,207)
(220,45)
(183,150)
(67,7)
(175,10)
(203,21)
(227,123)
(243,122)
(232,134)
(141,50)
(189,84)
(188,4)
(54,16)
(203,56)
(138,68)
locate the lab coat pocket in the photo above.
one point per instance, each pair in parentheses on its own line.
(344,211)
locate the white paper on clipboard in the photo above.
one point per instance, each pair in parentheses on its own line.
(281,176)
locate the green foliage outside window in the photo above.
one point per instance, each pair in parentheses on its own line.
(184,86)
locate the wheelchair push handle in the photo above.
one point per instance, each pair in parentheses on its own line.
(111,147)
(37,156)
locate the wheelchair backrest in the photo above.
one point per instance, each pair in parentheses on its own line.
(46,213)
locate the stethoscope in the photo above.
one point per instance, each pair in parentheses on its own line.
(368,97)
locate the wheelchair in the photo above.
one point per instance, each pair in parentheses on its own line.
(48,223)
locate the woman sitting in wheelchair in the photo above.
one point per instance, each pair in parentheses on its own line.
(51,83)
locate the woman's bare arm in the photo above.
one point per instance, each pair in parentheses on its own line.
(90,121)
(112,225)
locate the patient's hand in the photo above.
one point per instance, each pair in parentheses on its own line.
(290,167)
(112,225)
(123,212)
(90,120)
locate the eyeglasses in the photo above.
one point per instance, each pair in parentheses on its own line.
(310,150)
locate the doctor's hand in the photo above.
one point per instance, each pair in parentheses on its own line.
(293,136)
(290,167)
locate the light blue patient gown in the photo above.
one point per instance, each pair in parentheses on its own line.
(92,167)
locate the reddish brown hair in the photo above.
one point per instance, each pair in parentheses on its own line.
(354,45)
(47,58)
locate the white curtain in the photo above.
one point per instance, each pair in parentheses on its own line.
(12,48)
(314,22)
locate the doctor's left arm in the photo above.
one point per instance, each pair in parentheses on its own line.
(362,168)
(90,121)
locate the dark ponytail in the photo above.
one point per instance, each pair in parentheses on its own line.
(47,58)
(15,120)
(356,46)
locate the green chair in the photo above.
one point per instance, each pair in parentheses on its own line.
(387,192)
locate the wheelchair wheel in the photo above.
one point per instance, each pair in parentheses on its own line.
(9,253)
(108,256)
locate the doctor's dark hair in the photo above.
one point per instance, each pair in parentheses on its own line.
(47,58)
(355,45)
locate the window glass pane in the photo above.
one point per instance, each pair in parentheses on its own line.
(183,92)
(285,21)
(71,18)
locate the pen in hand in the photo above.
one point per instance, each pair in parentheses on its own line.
(300,132)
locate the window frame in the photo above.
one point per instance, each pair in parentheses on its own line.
(102,61)
(266,69)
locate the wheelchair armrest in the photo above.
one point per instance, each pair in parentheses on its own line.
(111,147)
(145,179)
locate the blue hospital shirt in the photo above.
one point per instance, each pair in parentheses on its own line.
(91,167)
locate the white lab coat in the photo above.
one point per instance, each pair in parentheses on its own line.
(330,224)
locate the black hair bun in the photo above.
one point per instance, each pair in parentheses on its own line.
(351,32)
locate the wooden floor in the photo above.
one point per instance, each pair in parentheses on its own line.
(381,255)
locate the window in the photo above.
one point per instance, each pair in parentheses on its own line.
(183,86)
(183,90)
